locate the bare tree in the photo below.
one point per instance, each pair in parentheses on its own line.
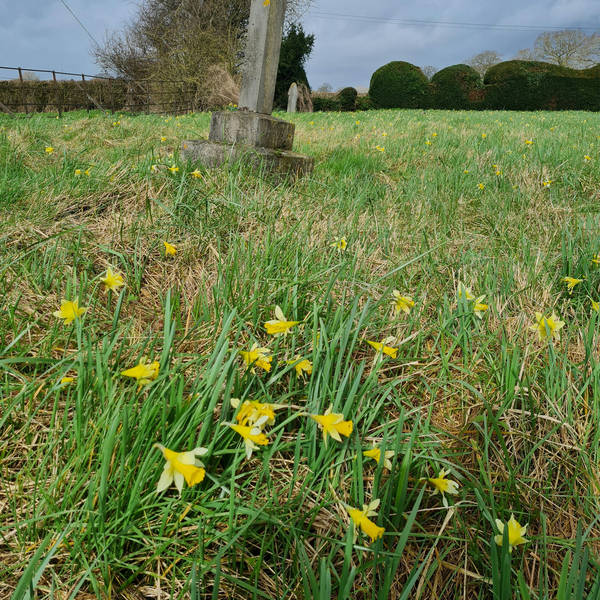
(568,48)
(429,71)
(484,60)
(325,87)
(525,54)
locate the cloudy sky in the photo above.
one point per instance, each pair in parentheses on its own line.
(352,37)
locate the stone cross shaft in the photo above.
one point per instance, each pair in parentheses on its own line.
(261,55)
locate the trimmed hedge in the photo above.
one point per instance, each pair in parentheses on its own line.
(532,85)
(456,87)
(347,98)
(399,85)
(510,85)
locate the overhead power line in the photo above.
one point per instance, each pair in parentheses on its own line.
(80,23)
(320,14)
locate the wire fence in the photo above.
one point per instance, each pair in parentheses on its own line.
(33,91)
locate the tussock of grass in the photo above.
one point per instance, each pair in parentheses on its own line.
(515,420)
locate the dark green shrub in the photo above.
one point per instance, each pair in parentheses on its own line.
(363,103)
(347,98)
(325,104)
(532,85)
(399,85)
(456,87)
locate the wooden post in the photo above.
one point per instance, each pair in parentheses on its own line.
(23,97)
(57,92)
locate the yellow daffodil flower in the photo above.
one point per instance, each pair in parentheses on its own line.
(464,292)
(279,325)
(48,149)
(333,424)
(170,250)
(266,2)
(144,371)
(529,142)
(481,186)
(375,454)
(69,311)
(483,136)
(77,172)
(163,138)
(302,366)
(442,485)
(253,436)
(571,283)
(257,357)
(547,183)
(596,259)
(547,326)
(112,281)
(515,533)
(180,466)
(595,305)
(587,158)
(252,411)
(173,169)
(382,348)
(479,307)
(361,520)
(339,244)
(154,168)
(65,380)
(196,174)
(402,303)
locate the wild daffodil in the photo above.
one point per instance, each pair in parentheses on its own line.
(383,349)
(339,244)
(401,303)
(257,357)
(279,325)
(48,149)
(196,174)
(596,259)
(252,411)
(112,281)
(252,434)
(170,250)
(442,485)
(144,371)
(333,424)
(479,307)
(180,467)
(547,327)
(515,533)
(173,169)
(375,454)
(571,283)
(302,366)
(595,305)
(361,520)
(69,311)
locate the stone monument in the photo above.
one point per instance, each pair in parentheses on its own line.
(292,98)
(251,133)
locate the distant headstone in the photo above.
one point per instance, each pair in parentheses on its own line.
(251,133)
(292,98)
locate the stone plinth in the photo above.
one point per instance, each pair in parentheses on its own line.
(251,129)
(215,154)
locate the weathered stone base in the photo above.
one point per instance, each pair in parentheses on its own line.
(252,129)
(213,154)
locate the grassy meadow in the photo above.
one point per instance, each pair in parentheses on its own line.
(428,203)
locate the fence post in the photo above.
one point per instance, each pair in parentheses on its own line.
(87,106)
(22,92)
(112,96)
(57,92)
(148,98)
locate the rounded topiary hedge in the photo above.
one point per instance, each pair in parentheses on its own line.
(347,98)
(456,87)
(399,85)
(533,85)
